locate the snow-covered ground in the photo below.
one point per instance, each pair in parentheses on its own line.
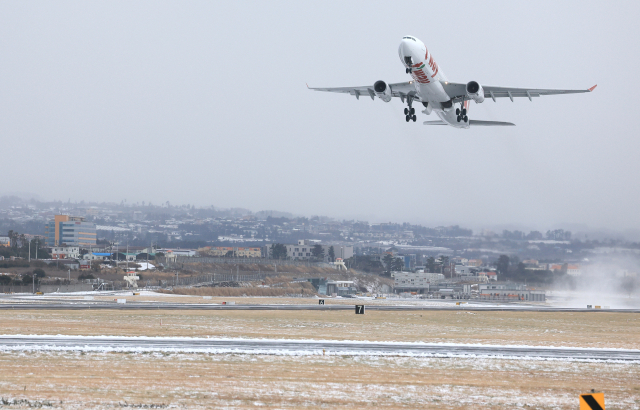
(306,347)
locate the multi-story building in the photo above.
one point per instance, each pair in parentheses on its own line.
(234,251)
(418,281)
(248,252)
(70,231)
(573,269)
(303,251)
(65,252)
(5,241)
(510,291)
(476,263)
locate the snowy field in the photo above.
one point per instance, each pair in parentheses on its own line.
(305,347)
(77,380)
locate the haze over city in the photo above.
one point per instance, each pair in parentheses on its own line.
(205,103)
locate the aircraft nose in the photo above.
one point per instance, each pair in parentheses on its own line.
(405,47)
(405,51)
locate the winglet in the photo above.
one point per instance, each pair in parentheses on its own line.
(592,88)
(308,85)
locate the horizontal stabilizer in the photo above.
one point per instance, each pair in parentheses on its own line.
(491,123)
(434,123)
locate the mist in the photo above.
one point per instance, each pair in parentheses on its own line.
(205,103)
(607,281)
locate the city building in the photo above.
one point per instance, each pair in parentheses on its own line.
(462,270)
(415,281)
(510,291)
(490,275)
(101,256)
(5,241)
(233,251)
(409,261)
(70,231)
(573,270)
(177,252)
(65,252)
(341,288)
(476,263)
(303,251)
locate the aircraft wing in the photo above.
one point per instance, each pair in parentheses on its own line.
(458,92)
(400,90)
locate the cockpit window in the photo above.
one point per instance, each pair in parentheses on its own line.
(409,38)
(408,61)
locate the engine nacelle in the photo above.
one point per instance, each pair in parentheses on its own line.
(475,91)
(382,90)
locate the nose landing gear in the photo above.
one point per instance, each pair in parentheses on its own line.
(462,113)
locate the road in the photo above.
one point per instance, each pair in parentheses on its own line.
(81,305)
(304,347)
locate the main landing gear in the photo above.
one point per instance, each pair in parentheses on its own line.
(462,114)
(410,113)
(407,70)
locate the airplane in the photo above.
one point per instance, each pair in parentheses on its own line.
(437,94)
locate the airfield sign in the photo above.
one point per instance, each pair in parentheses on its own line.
(592,401)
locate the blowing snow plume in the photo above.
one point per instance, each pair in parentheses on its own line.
(612,281)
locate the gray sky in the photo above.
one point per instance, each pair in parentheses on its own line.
(205,103)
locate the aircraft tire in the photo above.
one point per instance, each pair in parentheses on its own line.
(458,118)
(414,118)
(466,119)
(407,118)
(406,111)
(457,111)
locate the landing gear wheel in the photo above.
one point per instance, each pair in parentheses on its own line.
(406,111)
(457,111)
(407,118)
(414,118)
(458,118)
(466,119)
(412,111)
(464,111)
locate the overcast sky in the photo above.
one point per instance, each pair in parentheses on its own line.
(205,103)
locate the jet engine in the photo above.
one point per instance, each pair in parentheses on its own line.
(475,91)
(382,90)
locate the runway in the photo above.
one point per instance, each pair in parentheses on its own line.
(303,347)
(98,305)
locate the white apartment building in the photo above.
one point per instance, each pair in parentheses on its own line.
(65,252)
(416,280)
(302,251)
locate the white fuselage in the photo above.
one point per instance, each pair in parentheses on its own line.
(427,78)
